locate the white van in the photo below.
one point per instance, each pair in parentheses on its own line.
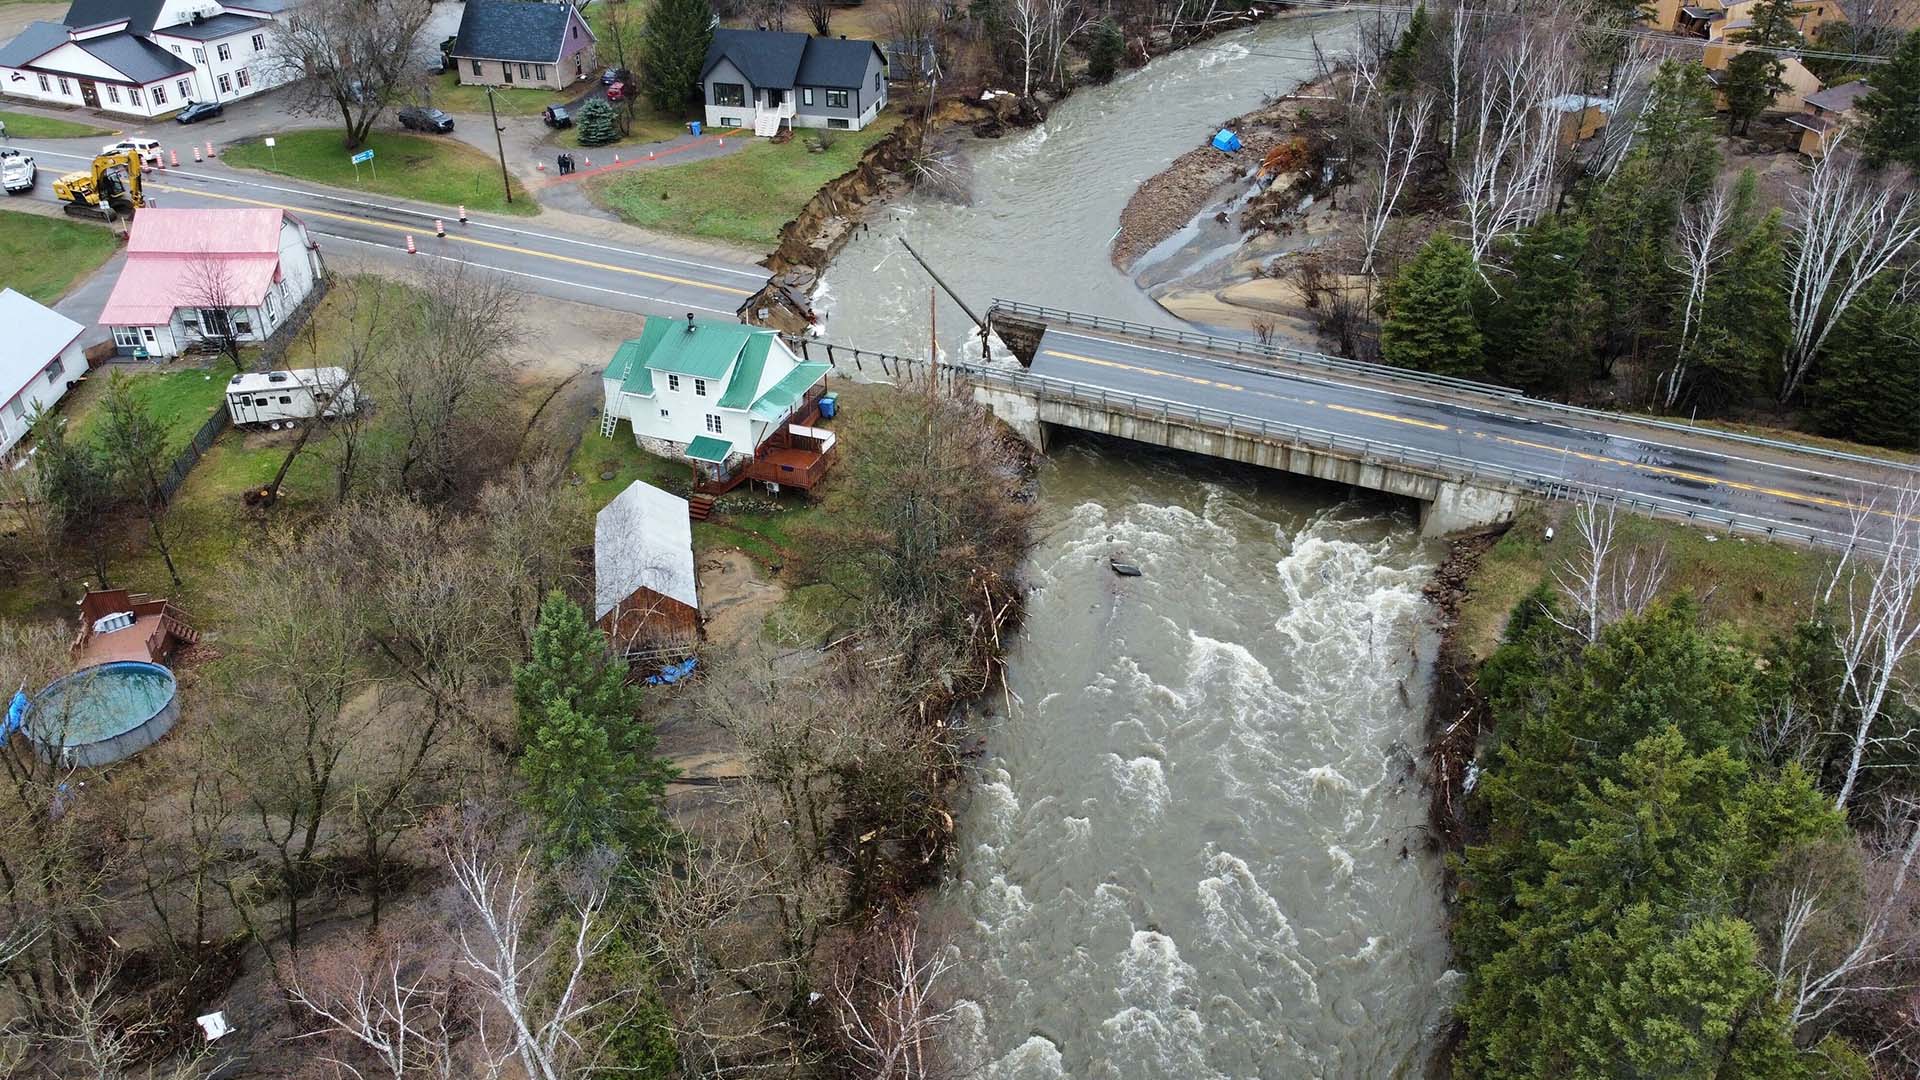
(148,149)
(273,397)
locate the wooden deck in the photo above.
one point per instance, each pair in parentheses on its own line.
(790,460)
(158,629)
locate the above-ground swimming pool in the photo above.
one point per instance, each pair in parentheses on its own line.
(103,713)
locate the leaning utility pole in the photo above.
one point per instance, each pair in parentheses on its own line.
(506,182)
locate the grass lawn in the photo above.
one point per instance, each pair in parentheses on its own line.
(180,397)
(445,92)
(431,169)
(30,126)
(44,256)
(1754,587)
(647,126)
(742,198)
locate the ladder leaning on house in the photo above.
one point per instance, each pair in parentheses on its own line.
(609,423)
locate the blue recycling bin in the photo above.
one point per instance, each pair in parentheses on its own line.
(829,404)
(694,126)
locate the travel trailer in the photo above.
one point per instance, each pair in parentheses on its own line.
(276,397)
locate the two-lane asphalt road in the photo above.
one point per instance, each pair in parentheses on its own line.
(1694,469)
(545,260)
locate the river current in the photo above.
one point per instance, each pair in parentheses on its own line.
(1194,847)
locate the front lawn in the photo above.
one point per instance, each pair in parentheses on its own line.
(744,197)
(431,169)
(445,92)
(44,256)
(31,126)
(180,398)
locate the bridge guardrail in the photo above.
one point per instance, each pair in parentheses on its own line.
(1442,466)
(1391,374)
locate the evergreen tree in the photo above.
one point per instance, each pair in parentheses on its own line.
(1539,330)
(1677,133)
(1430,324)
(77,484)
(672,48)
(597,124)
(1868,385)
(1403,62)
(1105,51)
(1629,219)
(1755,77)
(587,794)
(1743,321)
(571,665)
(1891,130)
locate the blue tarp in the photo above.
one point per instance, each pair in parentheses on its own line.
(673,673)
(16,713)
(1226,141)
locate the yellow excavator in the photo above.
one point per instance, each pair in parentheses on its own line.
(109,191)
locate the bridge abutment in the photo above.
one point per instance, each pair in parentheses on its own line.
(1458,507)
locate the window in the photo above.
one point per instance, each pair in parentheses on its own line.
(836,122)
(260,401)
(199,55)
(806,95)
(186,90)
(836,99)
(700,388)
(729,121)
(573,32)
(729,94)
(176,50)
(663,412)
(673,382)
(64,92)
(285,400)
(226,84)
(54,369)
(526,71)
(133,94)
(159,94)
(19,407)
(259,43)
(45,87)
(540,71)
(876,82)
(113,93)
(126,337)
(245,77)
(713,423)
(224,51)
(476,66)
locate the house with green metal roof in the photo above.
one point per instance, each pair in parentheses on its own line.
(710,391)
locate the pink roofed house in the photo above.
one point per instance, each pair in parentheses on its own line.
(198,275)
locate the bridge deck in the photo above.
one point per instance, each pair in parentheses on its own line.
(1764,486)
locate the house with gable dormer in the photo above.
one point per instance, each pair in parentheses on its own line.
(147,58)
(730,399)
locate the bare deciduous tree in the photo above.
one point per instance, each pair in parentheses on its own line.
(891,1017)
(1847,226)
(210,287)
(370,991)
(1875,629)
(353,58)
(1604,582)
(820,14)
(1398,144)
(1701,242)
(1505,164)
(448,373)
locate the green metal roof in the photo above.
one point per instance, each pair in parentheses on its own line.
(706,351)
(782,396)
(708,448)
(746,374)
(629,363)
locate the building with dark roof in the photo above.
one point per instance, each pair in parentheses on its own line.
(522,43)
(146,58)
(765,78)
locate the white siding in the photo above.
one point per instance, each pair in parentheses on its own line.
(41,393)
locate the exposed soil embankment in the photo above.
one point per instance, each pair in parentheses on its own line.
(1456,716)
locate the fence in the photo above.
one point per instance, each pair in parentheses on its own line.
(183,464)
(1448,467)
(1383,373)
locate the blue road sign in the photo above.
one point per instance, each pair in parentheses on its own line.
(363,157)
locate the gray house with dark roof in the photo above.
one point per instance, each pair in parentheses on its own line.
(146,58)
(522,43)
(764,78)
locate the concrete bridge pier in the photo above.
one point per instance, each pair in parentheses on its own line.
(1457,507)
(1017,410)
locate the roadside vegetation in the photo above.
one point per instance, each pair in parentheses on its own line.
(434,169)
(742,197)
(44,256)
(34,126)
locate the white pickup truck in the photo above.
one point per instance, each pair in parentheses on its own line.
(16,170)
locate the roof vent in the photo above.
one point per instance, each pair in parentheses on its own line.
(690,326)
(276,376)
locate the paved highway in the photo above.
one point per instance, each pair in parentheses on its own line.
(546,260)
(1688,470)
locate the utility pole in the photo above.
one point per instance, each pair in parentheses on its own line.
(506,182)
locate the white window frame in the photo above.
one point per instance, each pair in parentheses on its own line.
(673,382)
(259,43)
(186,89)
(540,72)
(223,50)
(113,93)
(64,92)
(699,388)
(159,93)
(54,369)
(133,95)
(526,71)
(713,424)
(226,84)
(243,78)
(126,337)
(45,86)
(199,55)
(806,95)
(476,67)
(843,103)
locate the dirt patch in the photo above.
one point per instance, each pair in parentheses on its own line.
(735,598)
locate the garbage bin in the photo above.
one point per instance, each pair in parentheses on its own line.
(829,404)
(693,126)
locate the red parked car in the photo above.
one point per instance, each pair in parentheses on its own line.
(616,91)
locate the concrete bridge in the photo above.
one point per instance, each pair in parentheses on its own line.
(1467,451)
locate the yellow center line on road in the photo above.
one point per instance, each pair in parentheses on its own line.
(1428,424)
(389,226)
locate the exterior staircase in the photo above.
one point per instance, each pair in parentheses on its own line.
(766,122)
(699,507)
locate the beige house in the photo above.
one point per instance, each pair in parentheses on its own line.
(1828,113)
(522,43)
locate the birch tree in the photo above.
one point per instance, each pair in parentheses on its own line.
(1875,632)
(1605,580)
(1847,227)
(1701,243)
(1027,20)
(1399,145)
(1505,165)
(889,1016)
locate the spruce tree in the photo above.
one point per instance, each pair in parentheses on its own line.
(1868,385)
(1539,330)
(1677,132)
(571,665)
(1744,317)
(597,125)
(672,48)
(1105,51)
(1430,324)
(1403,62)
(1754,77)
(586,794)
(1891,130)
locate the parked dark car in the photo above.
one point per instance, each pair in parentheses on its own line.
(556,116)
(615,75)
(197,111)
(418,119)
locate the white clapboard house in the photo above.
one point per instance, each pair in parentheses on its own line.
(194,276)
(42,358)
